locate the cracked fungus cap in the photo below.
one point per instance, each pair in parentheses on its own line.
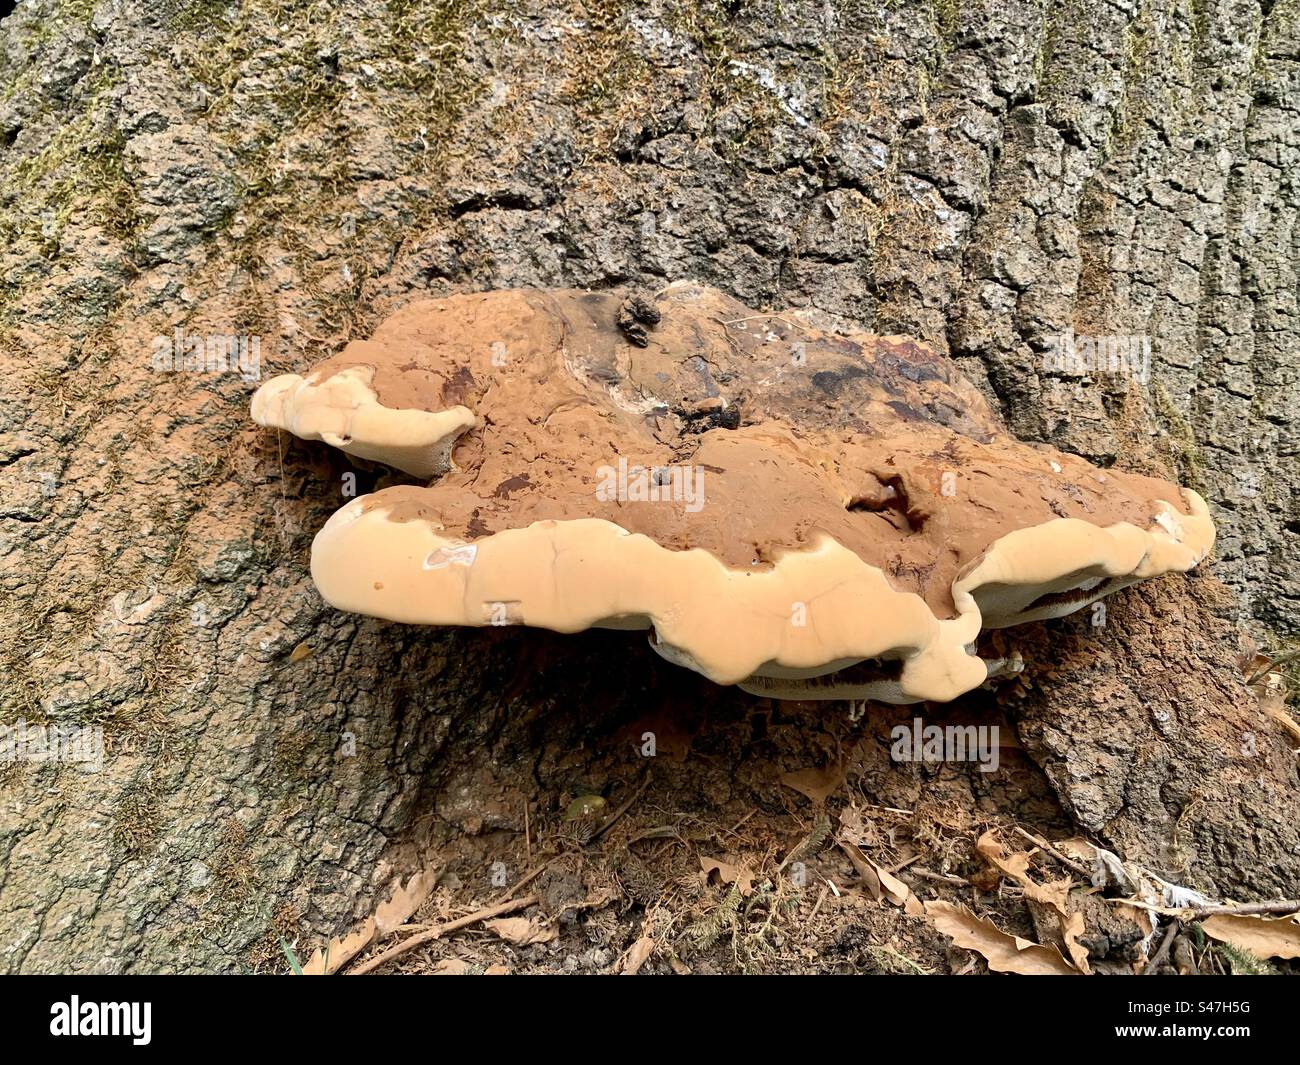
(805,514)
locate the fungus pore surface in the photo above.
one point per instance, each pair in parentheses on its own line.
(803,513)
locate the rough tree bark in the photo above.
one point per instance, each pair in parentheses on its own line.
(984,176)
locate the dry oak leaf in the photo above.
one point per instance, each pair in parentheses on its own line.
(1262,937)
(638,954)
(880,882)
(817,784)
(1054,894)
(730,874)
(1071,930)
(388,916)
(521,931)
(1274,707)
(1015,865)
(1004,953)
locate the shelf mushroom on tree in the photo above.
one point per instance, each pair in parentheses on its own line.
(802,513)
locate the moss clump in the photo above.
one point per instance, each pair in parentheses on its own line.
(80,169)
(605,70)
(1133,105)
(1242,963)
(727,88)
(136,821)
(946,15)
(195,15)
(1186,451)
(79,11)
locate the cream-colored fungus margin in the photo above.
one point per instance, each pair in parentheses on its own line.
(729,624)
(1072,563)
(344,411)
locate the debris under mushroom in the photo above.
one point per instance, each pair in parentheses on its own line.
(806,514)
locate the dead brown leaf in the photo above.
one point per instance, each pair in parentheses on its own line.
(1261,936)
(638,954)
(879,882)
(1054,894)
(865,870)
(397,910)
(730,874)
(817,784)
(1071,930)
(895,890)
(1274,707)
(389,916)
(1014,865)
(1004,953)
(521,931)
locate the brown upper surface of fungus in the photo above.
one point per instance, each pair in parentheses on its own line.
(803,513)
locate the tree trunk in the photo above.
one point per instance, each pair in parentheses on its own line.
(986,177)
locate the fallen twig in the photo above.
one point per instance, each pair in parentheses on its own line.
(904,864)
(1285,906)
(756,317)
(821,897)
(1047,848)
(1163,951)
(1271,666)
(523,881)
(645,783)
(734,828)
(940,878)
(487,913)
(1245,909)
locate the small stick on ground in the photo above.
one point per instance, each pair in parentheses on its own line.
(510,906)
(1069,863)
(1273,663)
(1159,957)
(645,783)
(939,878)
(1245,909)
(736,827)
(526,879)
(821,897)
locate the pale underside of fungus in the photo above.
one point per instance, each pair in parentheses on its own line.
(803,513)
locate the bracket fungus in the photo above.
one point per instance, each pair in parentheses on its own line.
(802,513)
